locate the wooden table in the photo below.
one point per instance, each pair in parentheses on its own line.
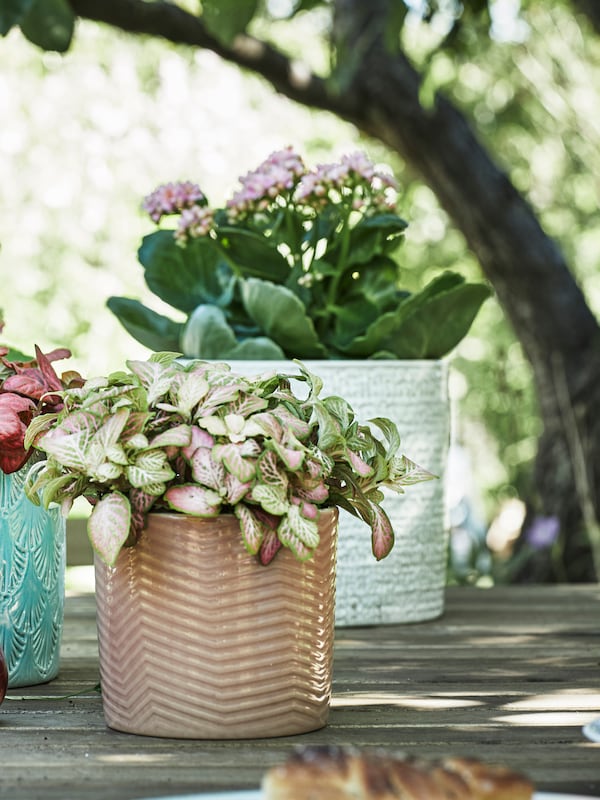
(508,675)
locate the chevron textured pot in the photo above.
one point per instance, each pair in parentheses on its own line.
(32,584)
(198,640)
(408,585)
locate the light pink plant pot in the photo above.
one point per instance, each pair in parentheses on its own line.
(197,640)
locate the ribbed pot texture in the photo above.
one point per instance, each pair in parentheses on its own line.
(197,640)
(32,584)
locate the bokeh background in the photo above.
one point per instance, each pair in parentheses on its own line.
(85,135)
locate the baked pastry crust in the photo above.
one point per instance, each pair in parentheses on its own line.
(334,773)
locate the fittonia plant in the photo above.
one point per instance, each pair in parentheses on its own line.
(198,439)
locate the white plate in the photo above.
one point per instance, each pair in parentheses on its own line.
(592,730)
(256,794)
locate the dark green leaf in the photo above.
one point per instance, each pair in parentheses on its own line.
(186,277)
(151,329)
(226,18)
(207,334)
(253,255)
(283,318)
(11,13)
(426,325)
(259,348)
(49,24)
(352,319)
(375,281)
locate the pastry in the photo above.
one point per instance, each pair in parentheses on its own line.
(335,773)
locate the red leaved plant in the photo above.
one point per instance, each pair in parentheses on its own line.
(28,387)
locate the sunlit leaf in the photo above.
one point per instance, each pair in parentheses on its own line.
(108,526)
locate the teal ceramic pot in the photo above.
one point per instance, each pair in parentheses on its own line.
(32,584)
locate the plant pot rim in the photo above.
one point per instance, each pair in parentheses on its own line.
(225,515)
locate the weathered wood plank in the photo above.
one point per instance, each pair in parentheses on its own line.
(507,675)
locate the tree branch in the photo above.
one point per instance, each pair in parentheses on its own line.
(168,21)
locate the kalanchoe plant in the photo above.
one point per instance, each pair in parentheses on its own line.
(298,264)
(198,439)
(28,387)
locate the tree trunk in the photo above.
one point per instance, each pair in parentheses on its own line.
(549,314)
(550,317)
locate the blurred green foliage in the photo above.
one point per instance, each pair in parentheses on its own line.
(86,135)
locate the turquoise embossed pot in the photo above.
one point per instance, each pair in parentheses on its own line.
(32,584)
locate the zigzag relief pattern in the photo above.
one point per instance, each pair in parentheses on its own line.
(32,569)
(198,640)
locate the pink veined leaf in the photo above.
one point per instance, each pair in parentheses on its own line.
(199,438)
(293,459)
(270,425)
(309,510)
(316,494)
(236,489)
(141,503)
(206,470)
(382,533)
(108,526)
(231,455)
(358,465)
(190,498)
(269,547)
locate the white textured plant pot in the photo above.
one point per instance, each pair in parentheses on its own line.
(198,640)
(408,585)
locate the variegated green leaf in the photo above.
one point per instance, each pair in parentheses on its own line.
(108,526)
(251,528)
(179,436)
(271,497)
(192,389)
(270,470)
(288,538)
(294,524)
(107,472)
(106,437)
(150,467)
(189,498)
(244,469)
(155,377)
(404,472)
(70,449)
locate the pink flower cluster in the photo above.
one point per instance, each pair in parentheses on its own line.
(275,177)
(194,222)
(172,198)
(354,176)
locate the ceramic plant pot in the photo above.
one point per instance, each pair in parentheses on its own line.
(32,584)
(408,585)
(198,640)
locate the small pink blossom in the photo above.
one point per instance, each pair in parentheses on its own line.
(276,176)
(171,198)
(194,222)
